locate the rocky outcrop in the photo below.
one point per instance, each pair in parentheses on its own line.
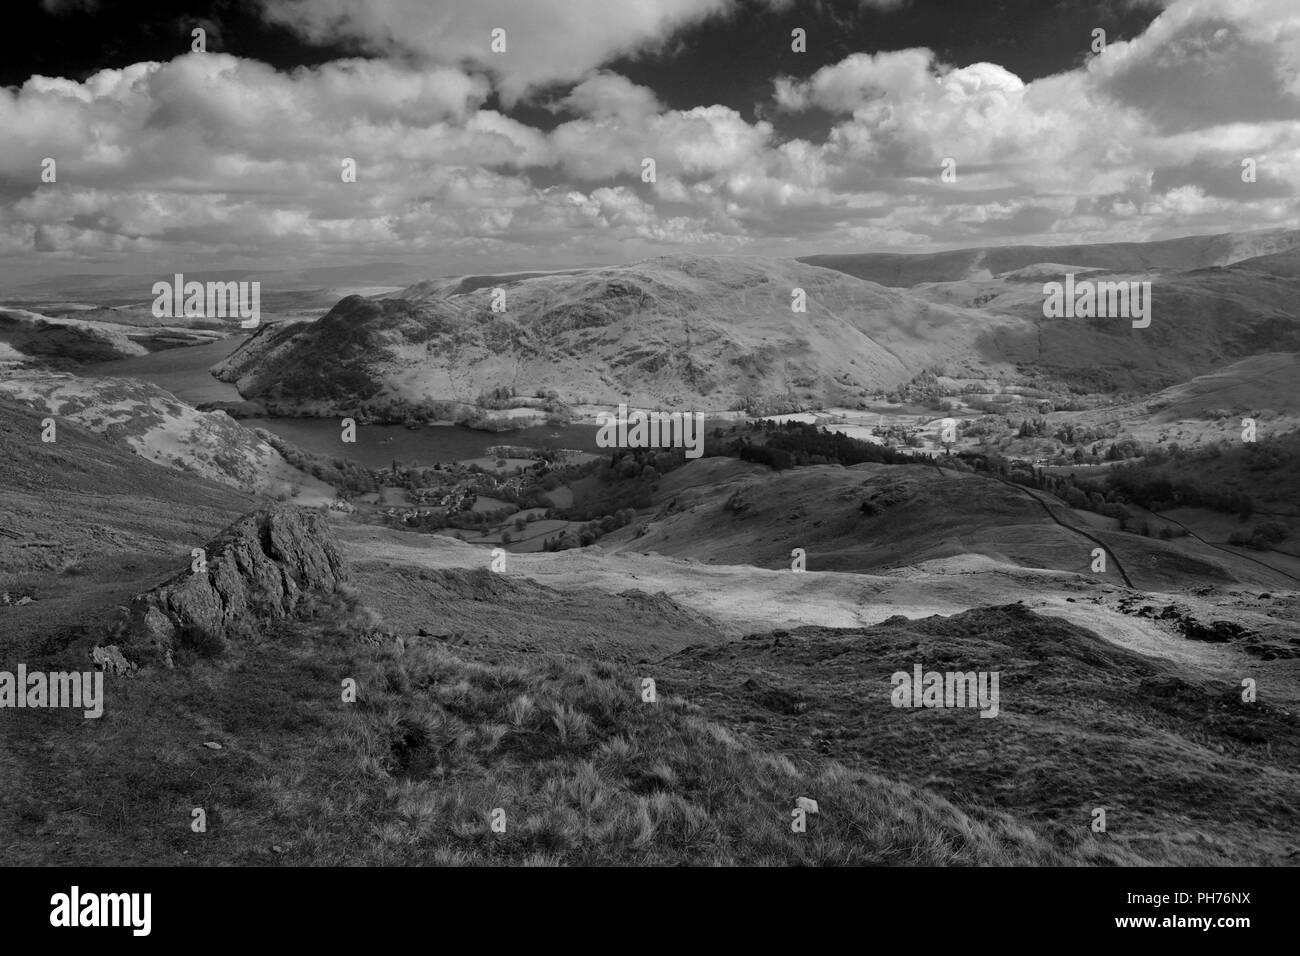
(259,570)
(109,658)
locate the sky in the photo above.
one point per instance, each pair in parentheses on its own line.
(904,126)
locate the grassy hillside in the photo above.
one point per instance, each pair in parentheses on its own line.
(1209,409)
(67,489)
(873,518)
(1185,770)
(587,772)
(677,332)
(84,523)
(156,425)
(1201,321)
(715,333)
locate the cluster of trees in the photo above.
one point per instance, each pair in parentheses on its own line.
(648,464)
(1152,488)
(1120,450)
(627,481)
(588,533)
(1072,433)
(991,426)
(1068,433)
(790,444)
(998,403)
(1107,503)
(1036,428)
(1135,483)
(757,407)
(923,388)
(480,420)
(424,484)
(465,520)
(984,426)
(500,397)
(903,434)
(400,411)
(1262,537)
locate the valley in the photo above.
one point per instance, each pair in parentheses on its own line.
(919,469)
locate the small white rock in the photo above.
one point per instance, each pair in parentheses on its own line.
(212,745)
(806,804)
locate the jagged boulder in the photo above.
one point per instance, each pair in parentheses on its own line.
(259,570)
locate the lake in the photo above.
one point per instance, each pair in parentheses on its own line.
(184,373)
(377,446)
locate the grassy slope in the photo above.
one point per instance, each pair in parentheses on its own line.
(722,511)
(703,332)
(156,425)
(1186,770)
(1201,321)
(586,771)
(1209,408)
(589,773)
(89,524)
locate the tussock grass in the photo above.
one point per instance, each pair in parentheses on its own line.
(412,772)
(589,774)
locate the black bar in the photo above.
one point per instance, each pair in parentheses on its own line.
(334,906)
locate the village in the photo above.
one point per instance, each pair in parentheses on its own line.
(513,496)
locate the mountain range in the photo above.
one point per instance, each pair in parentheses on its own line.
(723,333)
